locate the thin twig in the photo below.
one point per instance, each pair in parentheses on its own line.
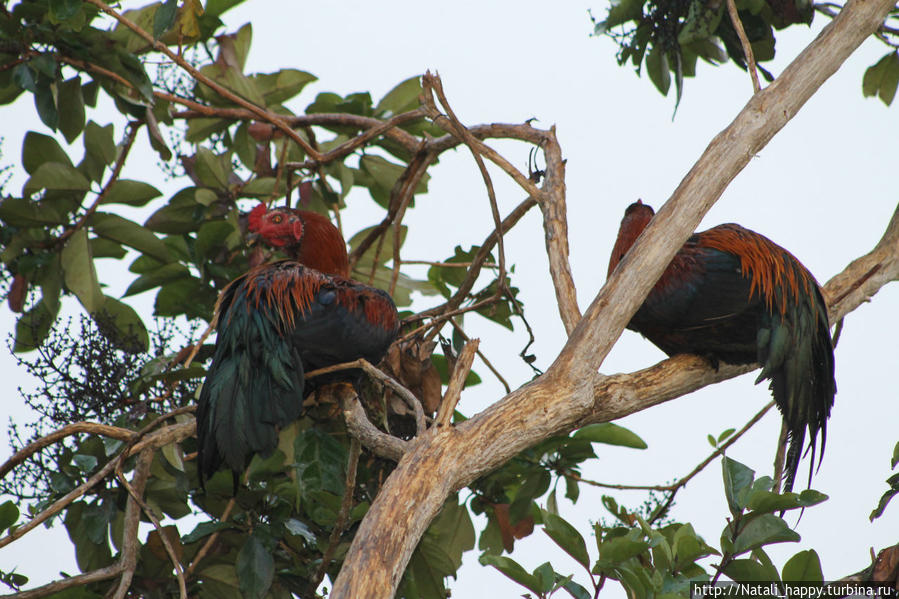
(432,83)
(114,432)
(166,543)
(747,47)
(207,546)
(456,384)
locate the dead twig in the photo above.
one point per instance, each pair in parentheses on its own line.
(456,384)
(747,47)
(207,546)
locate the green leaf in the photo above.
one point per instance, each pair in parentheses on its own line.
(56,175)
(129,233)
(71,108)
(175,218)
(893,482)
(384,250)
(803,567)
(453,530)
(188,296)
(80,275)
(621,11)
(261,187)
(164,18)
(99,149)
(38,149)
(737,482)
(216,8)
(212,236)
(132,193)
(104,248)
(402,98)
(255,568)
(212,169)
(283,85)
(763,530)
(33,326)
(513,570)
(882,78)
(63,10)
(157,277)
(576,590)
(610,434)
(200,129)
(45,103)
(22,212)
(121,325)
(760,500)
(746,570)
(567,537)
(9,514)
(619,549)
(204,529)
(657,69)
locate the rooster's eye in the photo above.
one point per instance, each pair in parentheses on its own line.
(277,219)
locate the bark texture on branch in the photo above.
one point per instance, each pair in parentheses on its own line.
(570,393)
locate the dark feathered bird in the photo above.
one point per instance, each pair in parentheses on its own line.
(733,295)
(277,322)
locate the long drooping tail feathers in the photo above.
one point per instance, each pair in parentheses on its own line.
(796,353)
(255,386)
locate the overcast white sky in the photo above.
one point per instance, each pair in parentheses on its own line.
(824,188)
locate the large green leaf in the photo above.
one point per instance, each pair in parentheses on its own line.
(127,232)
(567,537)
(132,193)
(737,483)
(22,212)
(38,149)
(402,98)
(762,530)
(71,108)
(33,326)
(157,277)
(283,85)
(882,79)
(9,514)
(255,568)
(610,434)
(513,570)
(80,274)
(805,566)
(56,176)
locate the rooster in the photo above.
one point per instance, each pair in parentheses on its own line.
(733,295)
(277,322)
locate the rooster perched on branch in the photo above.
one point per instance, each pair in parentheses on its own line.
(733,295)
(277,322)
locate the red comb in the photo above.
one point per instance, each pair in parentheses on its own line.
(254,222)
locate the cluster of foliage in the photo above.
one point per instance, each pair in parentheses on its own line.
(668,38)
(235,140)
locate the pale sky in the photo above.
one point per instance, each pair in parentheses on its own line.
(824,188)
